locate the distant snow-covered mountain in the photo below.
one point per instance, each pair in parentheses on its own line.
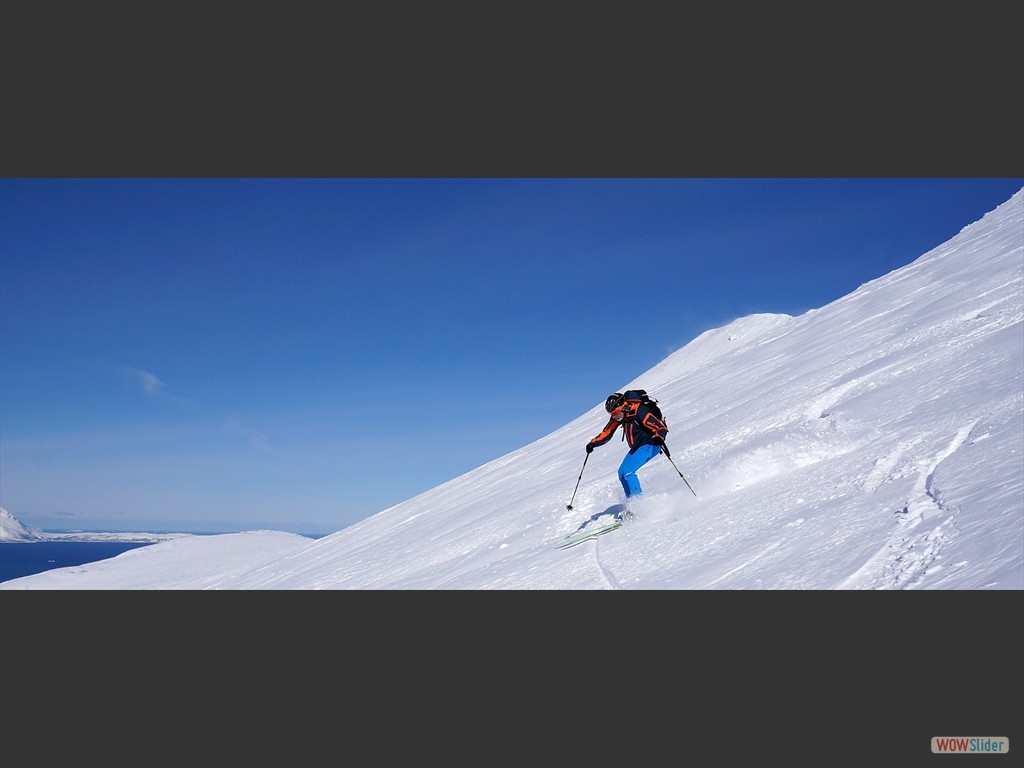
(12,530)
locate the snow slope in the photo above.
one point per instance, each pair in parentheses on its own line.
(873,443)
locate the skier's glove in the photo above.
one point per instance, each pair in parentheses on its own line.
(590,447)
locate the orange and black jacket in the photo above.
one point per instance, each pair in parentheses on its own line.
(639,425)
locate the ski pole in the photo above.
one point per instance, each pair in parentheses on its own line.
(569,505)
(669,457)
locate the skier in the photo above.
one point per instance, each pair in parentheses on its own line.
(644,430)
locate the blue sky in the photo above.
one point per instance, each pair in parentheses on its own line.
(298,354)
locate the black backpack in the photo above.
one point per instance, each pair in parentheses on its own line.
(641,396)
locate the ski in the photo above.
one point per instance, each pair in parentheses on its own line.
(578,538)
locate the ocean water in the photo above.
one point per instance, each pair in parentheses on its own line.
(27,558)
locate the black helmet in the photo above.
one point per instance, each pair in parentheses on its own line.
(614,401)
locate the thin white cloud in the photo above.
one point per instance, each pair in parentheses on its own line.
(151,384)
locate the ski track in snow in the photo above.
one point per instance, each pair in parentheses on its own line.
(907,557)
(606,574)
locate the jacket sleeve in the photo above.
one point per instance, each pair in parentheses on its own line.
(653,424)
(606,433)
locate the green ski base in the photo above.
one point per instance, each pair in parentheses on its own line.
(578,538)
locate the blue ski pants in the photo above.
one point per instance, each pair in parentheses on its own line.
(631,463)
